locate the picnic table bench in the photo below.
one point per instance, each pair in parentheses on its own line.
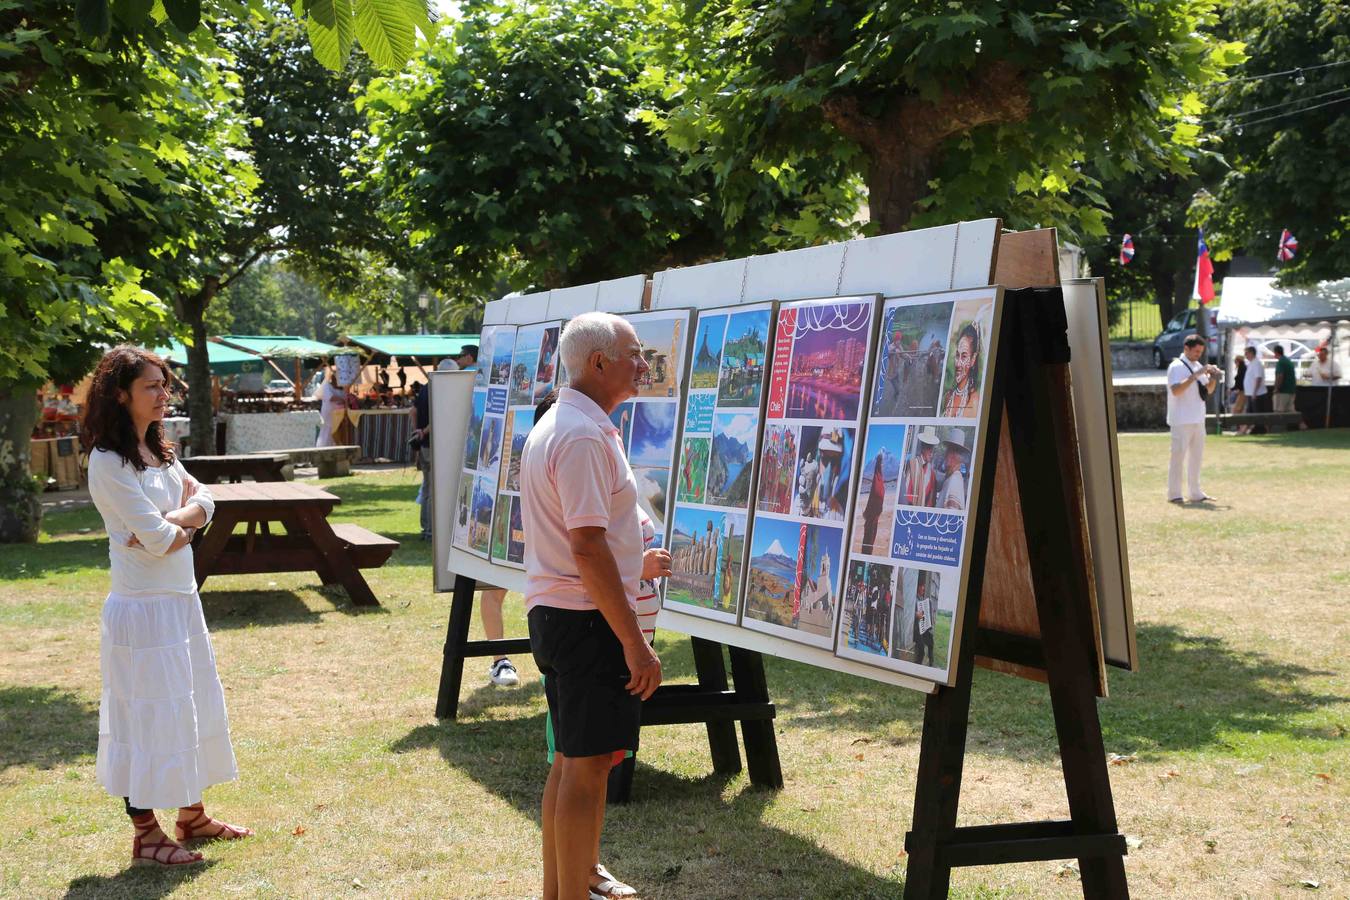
(336,552)
(236,467)
(1270,419)
(331,461)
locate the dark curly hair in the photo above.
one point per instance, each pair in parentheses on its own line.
(107,425)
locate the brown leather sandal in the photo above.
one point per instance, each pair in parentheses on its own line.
(177,854)
(203,828)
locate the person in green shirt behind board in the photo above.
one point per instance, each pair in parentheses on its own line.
(1285,378)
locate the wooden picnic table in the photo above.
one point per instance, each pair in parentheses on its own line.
(236,467)
(310,542)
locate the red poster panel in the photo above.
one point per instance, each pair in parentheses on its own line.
(778,378)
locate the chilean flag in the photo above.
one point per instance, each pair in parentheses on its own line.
(1288,246)
(1126,250)
(1204,272)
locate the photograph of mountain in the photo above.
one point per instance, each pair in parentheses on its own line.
(475,429)
(730,464)
(771,594)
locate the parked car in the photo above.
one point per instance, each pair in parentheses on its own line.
(1167,346)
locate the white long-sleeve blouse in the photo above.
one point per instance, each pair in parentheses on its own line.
(132,502)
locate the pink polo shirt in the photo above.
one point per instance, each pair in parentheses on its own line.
(574,474)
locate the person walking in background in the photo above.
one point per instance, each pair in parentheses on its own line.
(1254,385)
(333,403)
(583,567)
(1285,382)
(1237,399)
(1188,382)
(163,733)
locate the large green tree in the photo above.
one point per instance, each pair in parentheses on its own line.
(1284,119)
(948,111)
(90,143)
(514,147)
(302,133)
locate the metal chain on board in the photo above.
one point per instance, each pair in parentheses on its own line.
(660,288)
(843,258)
(745,276)
(956,247)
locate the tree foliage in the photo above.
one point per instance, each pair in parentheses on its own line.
(385,29)
(1284,138)
(949,111)
(513,146)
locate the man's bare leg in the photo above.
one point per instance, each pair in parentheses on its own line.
(490,604)
(550,807)
(576,825)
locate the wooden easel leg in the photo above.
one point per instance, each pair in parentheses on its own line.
(1067,635)
(761,744)
(456,637)
(712,676)
(619,789)
(937,796)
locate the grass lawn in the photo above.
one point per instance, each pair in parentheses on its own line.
(1233,733)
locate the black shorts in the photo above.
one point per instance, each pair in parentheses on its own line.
(584,677)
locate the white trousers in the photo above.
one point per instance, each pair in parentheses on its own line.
(1188,449)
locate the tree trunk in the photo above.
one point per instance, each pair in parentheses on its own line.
(202,417)
(895,182)
(20,506)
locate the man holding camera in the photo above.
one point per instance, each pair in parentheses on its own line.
(1188,388)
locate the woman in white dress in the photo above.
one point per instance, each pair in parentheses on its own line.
(163,733)
(333,402)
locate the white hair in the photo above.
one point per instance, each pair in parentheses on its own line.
(586,334)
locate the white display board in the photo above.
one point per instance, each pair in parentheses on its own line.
(1094,410)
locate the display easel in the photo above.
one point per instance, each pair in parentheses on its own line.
(709,701)
(1032,353)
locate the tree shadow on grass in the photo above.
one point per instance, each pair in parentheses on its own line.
(141,882)
(681,837)
(1192,692)
(45,727)
(226,609)
(21,562)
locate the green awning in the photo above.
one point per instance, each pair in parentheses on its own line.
(281,346)
(427,347)
(222,359)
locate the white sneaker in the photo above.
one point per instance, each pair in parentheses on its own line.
(503,674)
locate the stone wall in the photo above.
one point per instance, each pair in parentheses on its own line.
(1131,355)
(252,432)
(1141,407)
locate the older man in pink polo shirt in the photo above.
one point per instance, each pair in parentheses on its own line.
(583,561)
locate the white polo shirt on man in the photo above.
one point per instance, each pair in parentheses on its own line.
(1188,409)
(574,474)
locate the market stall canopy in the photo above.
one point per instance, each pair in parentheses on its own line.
(1254,301)
(281,346)
(222,359)
(429,348)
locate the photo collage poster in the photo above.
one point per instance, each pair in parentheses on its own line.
(817,377)
(908,543)
(716,467)
(530,375)
(648,423)
(483,443)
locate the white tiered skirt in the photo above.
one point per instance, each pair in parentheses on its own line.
(163,736)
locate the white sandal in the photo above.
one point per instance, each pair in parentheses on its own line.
(609,888)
